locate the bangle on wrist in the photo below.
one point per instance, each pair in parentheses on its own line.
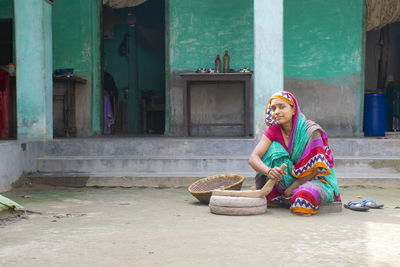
(269,172)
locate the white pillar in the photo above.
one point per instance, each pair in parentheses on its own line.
(268,56)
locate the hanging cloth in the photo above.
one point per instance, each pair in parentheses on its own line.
(382,12)
(108,114)
(4,103)
(123,3)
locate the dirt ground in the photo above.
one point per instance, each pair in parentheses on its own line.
(168,227)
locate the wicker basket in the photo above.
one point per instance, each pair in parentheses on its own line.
(202,189)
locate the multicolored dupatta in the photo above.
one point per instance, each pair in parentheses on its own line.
(308,144)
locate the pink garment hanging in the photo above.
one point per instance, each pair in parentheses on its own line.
(4,103)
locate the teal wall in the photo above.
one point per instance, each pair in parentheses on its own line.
(196,32)
(322,39)
(151,53)
(72,36)
(6,9)
(143,68)
(324,61)
(114,63)
(199,30)
(76,43)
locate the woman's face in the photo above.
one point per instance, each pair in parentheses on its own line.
(281,111)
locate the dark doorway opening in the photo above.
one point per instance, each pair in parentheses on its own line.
(134,69)
(8,103)
(382,71)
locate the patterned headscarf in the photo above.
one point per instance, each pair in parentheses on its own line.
(288,98)
(285,96)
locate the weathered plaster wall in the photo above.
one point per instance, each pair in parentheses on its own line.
(196,32)
(76,44)
(34,80)
(324,61)
(17,157)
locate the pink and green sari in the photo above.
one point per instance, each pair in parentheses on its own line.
(308,152)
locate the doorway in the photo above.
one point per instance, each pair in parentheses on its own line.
(382,70)
(134,68)
(8,103)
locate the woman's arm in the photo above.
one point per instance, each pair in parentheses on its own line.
(288,192)
(258,165)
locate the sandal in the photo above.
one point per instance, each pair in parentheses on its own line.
(371,204)
(357,206)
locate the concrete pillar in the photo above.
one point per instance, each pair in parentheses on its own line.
(97,110)
(33,36)
(268,56)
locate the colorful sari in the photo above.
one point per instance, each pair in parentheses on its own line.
(309,152)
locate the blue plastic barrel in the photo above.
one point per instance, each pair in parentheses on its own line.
(375,114)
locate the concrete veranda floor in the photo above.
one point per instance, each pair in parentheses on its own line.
(168,227)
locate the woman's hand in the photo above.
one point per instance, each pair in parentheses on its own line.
(288,192)
(275,173)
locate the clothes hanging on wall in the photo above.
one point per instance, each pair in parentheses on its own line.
(108,115)
(382,12)
(4,103)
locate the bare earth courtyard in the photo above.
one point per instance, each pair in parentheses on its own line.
(168,227)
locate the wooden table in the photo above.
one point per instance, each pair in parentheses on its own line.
(68,102)
(192,77)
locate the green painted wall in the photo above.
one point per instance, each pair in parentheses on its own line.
(324,55)
(6,8)
(199,30)
(322,39)
(196,32)
(143,68)
(72,36)
(76,44)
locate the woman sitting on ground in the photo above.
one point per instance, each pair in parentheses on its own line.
(309,179)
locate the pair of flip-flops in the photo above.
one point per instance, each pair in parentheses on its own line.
(364,205)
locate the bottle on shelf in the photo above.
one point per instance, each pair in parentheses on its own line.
(226,62)
(217,64)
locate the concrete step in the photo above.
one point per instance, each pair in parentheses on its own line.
(161,171)
(166,146)
(365,147)
(160,164)
(181,179)
(159,146)
(144,164)
(126,179)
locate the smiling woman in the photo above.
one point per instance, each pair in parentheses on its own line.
(303,146)
(283,112)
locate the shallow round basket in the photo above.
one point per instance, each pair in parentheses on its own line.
(202,189)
